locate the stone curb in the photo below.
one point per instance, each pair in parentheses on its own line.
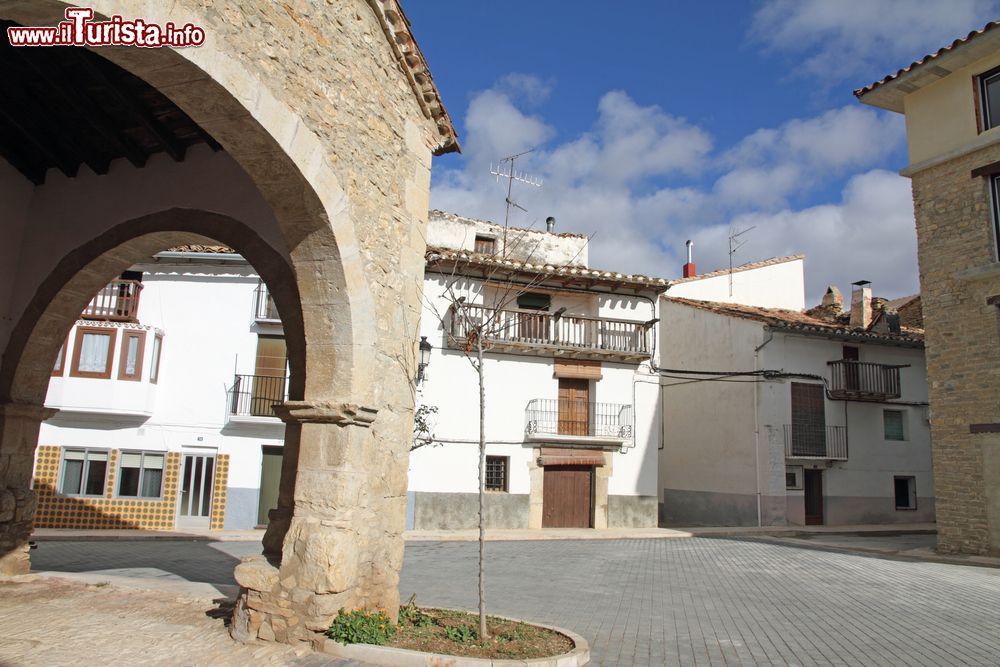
(921,555)
(398,657)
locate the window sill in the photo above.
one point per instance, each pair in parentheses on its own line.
(984,272)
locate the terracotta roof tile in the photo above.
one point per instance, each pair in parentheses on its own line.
(481,260)
(929,57)
(796,321)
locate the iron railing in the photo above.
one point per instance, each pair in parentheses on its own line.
(264,308)
(117,301)
(576,417)
(256,395)
(534,327)
(815,441)
(863,381)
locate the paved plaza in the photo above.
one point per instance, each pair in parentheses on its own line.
(695,601)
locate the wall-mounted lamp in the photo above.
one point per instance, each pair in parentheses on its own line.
(425,359)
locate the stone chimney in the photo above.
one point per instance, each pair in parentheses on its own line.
(689,269)
(861,305)
(833,299)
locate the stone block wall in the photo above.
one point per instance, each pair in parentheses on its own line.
(958,272)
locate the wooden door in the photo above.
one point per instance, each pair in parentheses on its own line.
(567,497)
(812,485)
(574,406)
(269,375)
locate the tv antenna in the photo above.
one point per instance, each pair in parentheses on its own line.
(735,244)
(505,169)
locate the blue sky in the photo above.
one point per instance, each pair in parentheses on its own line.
(658,122)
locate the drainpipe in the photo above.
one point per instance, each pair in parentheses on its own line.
(756,423)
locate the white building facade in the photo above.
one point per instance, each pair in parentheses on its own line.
(571,409)
(777,417)
(163,390)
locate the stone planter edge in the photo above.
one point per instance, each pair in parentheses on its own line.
(400,657)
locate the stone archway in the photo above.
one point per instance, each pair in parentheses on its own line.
(346,176)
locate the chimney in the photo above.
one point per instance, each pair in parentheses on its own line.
(861,305)
(689,268)
(550,224)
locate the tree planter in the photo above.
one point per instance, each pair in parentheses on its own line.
(398,657)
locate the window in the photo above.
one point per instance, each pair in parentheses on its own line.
(894,424)
(154,365)
(140,475)
(130,363)
(486,245)
(92,352)
(83,472)
(496,473)
(793,477)
(995,190)
(57,368)
(989,98)
(906,492)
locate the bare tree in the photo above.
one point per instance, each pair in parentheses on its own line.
(480,325)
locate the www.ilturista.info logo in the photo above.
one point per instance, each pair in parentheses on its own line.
(80,30)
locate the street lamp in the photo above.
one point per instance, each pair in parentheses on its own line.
(425,358)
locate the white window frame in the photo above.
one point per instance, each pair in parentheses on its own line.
(87,451)
(142,473)
(799,474)
(904,415)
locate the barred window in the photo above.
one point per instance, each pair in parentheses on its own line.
(496,473)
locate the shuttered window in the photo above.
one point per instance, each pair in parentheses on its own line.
(140,475)
(83,472)
(893,423)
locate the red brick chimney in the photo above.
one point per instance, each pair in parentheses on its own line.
(689,268)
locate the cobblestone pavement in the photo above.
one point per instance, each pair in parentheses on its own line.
(697,601)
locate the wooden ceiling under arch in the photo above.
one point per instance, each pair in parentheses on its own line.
(64,106)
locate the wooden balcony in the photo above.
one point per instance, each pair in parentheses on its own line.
(815,441)
(118,301)
(551,334)
(863,381)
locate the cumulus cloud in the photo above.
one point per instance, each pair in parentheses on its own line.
(863,39)
(642,180)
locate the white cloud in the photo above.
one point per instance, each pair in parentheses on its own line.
(642,181)
(864,38)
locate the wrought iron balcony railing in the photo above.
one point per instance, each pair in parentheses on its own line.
(256,395)
(264,308)
(118,301)
(863,381)
(815,441)
(526,329)
(579,418)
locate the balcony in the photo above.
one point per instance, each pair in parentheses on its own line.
(252,397)
(544,333)
(577,422)
(814,441)
(118,301)
(863,381)
(264,309)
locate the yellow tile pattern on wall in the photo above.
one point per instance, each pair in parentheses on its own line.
(58,511)
(218,518)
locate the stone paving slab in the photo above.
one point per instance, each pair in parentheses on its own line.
(695,601)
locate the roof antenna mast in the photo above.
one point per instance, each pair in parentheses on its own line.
(505,169)
(734,245)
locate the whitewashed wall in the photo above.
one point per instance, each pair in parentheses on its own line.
(774,286)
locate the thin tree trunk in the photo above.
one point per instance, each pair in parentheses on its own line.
(483,634)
